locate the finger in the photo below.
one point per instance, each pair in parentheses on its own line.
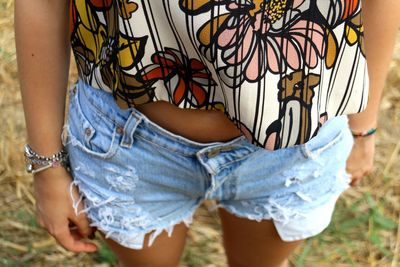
(354,182)
(75,233)
(82,223)
(355,179)
(72,242)
(77,236)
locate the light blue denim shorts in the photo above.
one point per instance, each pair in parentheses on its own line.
(135,176)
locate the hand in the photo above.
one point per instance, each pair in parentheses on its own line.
(361,159)
(55,213)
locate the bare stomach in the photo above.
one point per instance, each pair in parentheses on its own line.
(198,125)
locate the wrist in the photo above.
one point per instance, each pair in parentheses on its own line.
(367,133)
(36,163)
(50,175)
(361,123)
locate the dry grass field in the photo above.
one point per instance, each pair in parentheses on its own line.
(365,230)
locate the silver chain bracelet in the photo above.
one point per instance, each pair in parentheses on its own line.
(32,158)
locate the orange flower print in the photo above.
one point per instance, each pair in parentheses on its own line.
(188,79)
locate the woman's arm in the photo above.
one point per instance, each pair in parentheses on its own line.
(381,23)
(43,52)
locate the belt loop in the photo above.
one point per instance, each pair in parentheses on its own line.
(129,128)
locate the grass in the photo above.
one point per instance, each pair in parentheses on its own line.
(364,230)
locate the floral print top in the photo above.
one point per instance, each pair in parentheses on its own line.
(278,69)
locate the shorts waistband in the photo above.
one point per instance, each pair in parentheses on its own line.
(132,120)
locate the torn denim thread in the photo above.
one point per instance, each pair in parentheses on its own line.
(298,179)
(64,134)
(274,209)
(105,215)
(123,182)
(84,170)
(105,218)
(135,240)
(95,200)
(110,220)
(338,186)
(291,180)
(270,209)
(315,155)
(279,208)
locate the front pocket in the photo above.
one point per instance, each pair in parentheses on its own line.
(90,131)
(312,148)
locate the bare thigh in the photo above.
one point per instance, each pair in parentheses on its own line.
(164,252)
(251,243)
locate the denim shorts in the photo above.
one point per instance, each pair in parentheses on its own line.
(135,176)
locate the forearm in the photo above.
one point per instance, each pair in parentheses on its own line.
(381,23)
(43,57)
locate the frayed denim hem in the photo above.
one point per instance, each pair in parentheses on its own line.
(128,237)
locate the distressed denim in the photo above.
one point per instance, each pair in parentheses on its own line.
(135,176)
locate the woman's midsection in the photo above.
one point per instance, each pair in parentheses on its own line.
(194,124)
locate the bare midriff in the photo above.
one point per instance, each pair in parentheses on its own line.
(195,124)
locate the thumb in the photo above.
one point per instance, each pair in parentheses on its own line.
(71,241)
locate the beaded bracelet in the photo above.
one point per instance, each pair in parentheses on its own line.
(33,158)
(363,134)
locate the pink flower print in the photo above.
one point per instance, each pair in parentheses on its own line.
(254,44)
